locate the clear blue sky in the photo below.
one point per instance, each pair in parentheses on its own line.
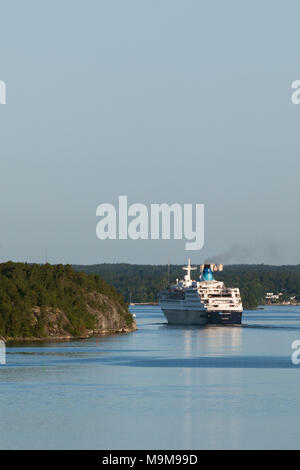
(164,101)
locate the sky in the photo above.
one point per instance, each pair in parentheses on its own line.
(163,101)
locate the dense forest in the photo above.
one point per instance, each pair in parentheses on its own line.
(32,294)
(144,282)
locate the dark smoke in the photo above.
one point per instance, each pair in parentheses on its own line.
(237,253)
(259,250)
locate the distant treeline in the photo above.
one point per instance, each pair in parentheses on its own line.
(144,282)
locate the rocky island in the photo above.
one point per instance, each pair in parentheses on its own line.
(55,302)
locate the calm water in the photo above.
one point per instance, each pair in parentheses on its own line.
(161,387)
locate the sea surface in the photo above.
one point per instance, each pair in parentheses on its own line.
(162,387)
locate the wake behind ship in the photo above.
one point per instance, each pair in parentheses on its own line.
(201,302)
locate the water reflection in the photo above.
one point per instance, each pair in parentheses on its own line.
(160,387)
(224,340)
(209,341)
(187,405)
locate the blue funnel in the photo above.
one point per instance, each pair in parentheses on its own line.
(207,274)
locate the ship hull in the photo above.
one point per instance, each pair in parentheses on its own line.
(199,317)
(185,316)
(224,318)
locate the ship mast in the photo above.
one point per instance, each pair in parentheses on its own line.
(188,268)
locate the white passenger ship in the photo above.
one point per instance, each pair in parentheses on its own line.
(201,302)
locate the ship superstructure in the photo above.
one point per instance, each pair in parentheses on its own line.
(201,302)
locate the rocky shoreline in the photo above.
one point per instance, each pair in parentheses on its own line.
(109,318)
(59,338)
